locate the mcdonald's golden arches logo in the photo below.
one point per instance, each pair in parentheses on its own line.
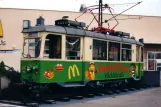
(1,30)
(74,69)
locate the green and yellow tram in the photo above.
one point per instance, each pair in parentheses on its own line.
(68,55)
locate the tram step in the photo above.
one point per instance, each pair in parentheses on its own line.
(132,89)
(74,85)
(64,99)
(49,101)
(77,97)
(89,95)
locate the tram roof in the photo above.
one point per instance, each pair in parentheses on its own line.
(79,32)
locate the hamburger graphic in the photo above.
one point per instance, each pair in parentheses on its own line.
(49,74)
(58,68)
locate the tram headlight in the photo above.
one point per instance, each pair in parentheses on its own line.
(35,67)
(31,68)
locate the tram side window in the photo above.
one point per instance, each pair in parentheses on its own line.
(99,50)
(73,48)
(142,53)
(137,54)
(53,47)
(126,52)
(114,51)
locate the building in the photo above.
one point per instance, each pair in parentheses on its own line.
(147,27)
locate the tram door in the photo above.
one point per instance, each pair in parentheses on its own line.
(74,47)
(53,47)
(139,59)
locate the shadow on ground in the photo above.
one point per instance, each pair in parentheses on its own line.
(73,101)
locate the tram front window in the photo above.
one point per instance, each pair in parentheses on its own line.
(31,47)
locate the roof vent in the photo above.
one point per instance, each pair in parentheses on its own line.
(141,40)
(65,17)
(40,21)
(119,33)
(69,23)
(133,37)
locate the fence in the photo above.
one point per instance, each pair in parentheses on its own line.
(152,78)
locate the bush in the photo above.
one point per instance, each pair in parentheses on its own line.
(10,73)
(3,71)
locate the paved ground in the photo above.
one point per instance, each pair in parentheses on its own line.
(8,105)
(142,98)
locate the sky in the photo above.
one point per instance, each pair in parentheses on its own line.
(147,7)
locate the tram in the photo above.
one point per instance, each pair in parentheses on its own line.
(68,55)
(67,59)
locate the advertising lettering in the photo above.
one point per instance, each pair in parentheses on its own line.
(112,68)
(114,75)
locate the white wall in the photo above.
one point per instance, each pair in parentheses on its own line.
(12,19)
(11,59)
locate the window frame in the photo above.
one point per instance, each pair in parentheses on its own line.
(138,52)
(155,60)
(142,54)
(81,48)
(125,49)
(27,38)
(106,49)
